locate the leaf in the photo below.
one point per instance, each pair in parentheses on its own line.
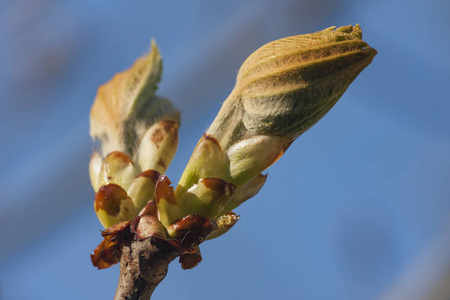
(126,106)
(288,85)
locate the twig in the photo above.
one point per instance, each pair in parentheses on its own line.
(142,267)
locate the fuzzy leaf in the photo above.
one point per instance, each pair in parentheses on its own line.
(127,105)
(288,85)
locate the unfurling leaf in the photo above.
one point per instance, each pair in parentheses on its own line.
(126,106)
(281,90)
(286,86)
(138,137)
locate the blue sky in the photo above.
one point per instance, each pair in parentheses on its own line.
(358,208)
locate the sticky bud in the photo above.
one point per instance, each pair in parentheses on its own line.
(281,90)
(286,86)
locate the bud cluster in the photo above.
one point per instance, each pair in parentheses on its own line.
(282,89)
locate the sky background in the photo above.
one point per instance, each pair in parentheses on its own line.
(358,207)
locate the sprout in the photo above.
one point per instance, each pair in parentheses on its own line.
(282,89)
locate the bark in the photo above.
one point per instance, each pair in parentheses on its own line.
(142,267)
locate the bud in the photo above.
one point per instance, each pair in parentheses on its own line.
(286,86)
(158,146)
(282,89)
(203,188)
(126,106)
(137,131)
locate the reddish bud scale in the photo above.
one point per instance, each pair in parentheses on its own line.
(151,174)
(109,198)
(165,191)
(191,230)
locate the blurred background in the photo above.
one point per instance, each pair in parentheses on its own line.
(358,208)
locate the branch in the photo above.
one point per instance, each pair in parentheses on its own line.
(142,267)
